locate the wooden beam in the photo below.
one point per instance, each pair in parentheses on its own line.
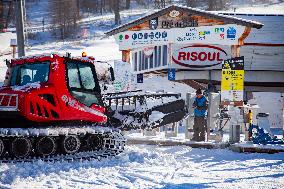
(235,51)
(126,56)
(244,35)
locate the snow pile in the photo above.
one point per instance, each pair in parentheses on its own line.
(103,71)
(5,42)
(155,116)
(55,131)
(153,167)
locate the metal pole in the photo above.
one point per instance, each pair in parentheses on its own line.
(20,28)
(208,110)
(14,51)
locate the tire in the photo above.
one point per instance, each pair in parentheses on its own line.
(1,147)
(46,146)
(95,142)
(70,144)
(21,147)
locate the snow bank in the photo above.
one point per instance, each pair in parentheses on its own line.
(5,41)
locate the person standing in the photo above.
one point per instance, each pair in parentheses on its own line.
(200,106)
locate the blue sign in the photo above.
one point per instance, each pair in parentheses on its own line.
(151,35)
(231,33)
(134,36)
(171,74)
(153,23)
(139,78)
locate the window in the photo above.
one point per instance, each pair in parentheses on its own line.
(159,56)
(82,82)
(140,60)
(146,63)
(156,56)
(73,76)
(135,61)
(30,73)
(143,60)
(151,61)
(87,77)
(165,55)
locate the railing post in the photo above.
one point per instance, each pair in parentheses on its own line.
(190,119)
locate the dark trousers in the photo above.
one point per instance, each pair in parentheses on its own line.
(199,128)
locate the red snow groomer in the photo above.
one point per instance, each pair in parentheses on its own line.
(52,105)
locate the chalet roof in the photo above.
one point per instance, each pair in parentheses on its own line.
(227,19)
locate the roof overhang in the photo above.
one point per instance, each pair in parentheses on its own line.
(225,18)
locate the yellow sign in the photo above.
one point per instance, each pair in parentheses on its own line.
(232,79)
(232,85)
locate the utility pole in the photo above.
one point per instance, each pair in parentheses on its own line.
(20,28)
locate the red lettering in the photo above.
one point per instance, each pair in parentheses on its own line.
(181,55)
(218,57)
(204,56)
(211,56)
(188,56)
(194,56)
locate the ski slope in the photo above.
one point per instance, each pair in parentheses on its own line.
(153,167)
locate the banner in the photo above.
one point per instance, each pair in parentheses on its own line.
(232,84)
(210,35)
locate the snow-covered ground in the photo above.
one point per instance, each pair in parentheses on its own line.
(276,8)
(144,166)
(148,166)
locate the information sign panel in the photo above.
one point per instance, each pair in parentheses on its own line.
(232,85)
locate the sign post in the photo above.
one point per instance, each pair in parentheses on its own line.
(232,84)
(13,44)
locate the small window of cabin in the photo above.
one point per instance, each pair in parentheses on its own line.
(158,58)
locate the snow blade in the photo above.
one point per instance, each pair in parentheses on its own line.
(173,112)
(146,110)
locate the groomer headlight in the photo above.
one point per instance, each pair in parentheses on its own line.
(84,54)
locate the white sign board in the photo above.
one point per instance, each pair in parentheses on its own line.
(218,34)
(199,56)
(13,42)
(232,95)
(144,38)
(212,35)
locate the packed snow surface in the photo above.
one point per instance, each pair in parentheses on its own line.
(153,167)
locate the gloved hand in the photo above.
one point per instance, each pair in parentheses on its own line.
(200,107)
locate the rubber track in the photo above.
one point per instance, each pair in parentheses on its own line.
(113,144)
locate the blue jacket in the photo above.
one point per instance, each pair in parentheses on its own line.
(200,105)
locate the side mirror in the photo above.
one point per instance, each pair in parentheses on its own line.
(112,73)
